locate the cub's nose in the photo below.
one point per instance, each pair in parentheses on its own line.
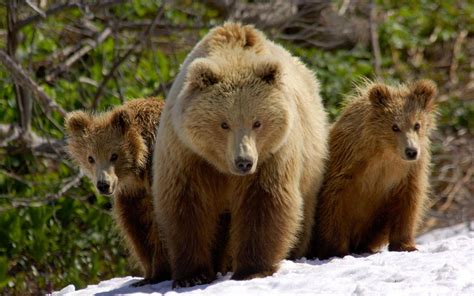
(411,153)
(244,165)
(103,187)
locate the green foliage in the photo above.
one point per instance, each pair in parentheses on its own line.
(457,114)
(47,243)
(58,243)
(348,66)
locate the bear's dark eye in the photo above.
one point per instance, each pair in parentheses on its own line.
(257,124)
(224,125)
(395,128)
(90,159)
(113,157)
(417,126)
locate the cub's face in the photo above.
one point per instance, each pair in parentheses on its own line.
(403,117)
(234,120)
(105,147)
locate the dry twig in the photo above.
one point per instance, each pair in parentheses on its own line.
(16,202)
(453,78)
(55,9)
(141,38)
(25,81)
(374,38)
(87,46)
(36,8)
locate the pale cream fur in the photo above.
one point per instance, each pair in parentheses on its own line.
(223,79)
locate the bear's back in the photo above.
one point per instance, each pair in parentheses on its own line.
(145,114)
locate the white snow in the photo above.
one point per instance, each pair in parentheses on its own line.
(444,265)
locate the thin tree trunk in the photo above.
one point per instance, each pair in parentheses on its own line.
(22,96)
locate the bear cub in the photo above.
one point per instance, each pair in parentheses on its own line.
(376,182)
(114,149)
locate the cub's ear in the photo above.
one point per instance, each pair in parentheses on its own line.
(424,91)
(203,73)
(76,122)
(379,95)
(269,71)
(121,120)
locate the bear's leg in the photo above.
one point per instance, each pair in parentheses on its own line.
(132,212)
(188,219)
(375,235)
(333,226)
(404,218)
(304,235)
(336,246)
(160,269)
(220,252)
(264,225)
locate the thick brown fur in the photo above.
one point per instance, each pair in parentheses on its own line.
(238,96)
(127,132)
(373,194)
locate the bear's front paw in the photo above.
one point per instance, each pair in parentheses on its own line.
(251,273)
(200,279)
(402,247)
(324,255)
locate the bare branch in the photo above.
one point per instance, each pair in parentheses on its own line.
(88,46)
(452,178)
(39,201)
(24,103)
(141,38)
(17,178)
(453,78)
(25,81)
(345,5)
(374,38)
(55,9)
(8,133)
(36,8)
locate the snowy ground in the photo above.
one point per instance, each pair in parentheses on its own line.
(443,266)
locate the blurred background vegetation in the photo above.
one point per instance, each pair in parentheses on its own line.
(58,56)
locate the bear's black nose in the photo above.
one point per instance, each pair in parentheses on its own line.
(103,187)
(411,153)
(243,165)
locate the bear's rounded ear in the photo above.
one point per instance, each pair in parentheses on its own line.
(121,120)
(424,92)
(202,73)
(269,71)
(379,95)
(76,122)
(251,36)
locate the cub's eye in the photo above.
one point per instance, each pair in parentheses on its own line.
(113,157)
(90,159)
(395,128)
(224,125)
(417,126)
(257,124)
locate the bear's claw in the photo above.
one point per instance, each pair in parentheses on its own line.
(200,279)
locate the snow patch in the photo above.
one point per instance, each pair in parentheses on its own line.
(444,265)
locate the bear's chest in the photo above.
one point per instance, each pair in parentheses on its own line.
(381,176)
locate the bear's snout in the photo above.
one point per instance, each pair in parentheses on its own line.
(243,165)
(104,187)
(411,153)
